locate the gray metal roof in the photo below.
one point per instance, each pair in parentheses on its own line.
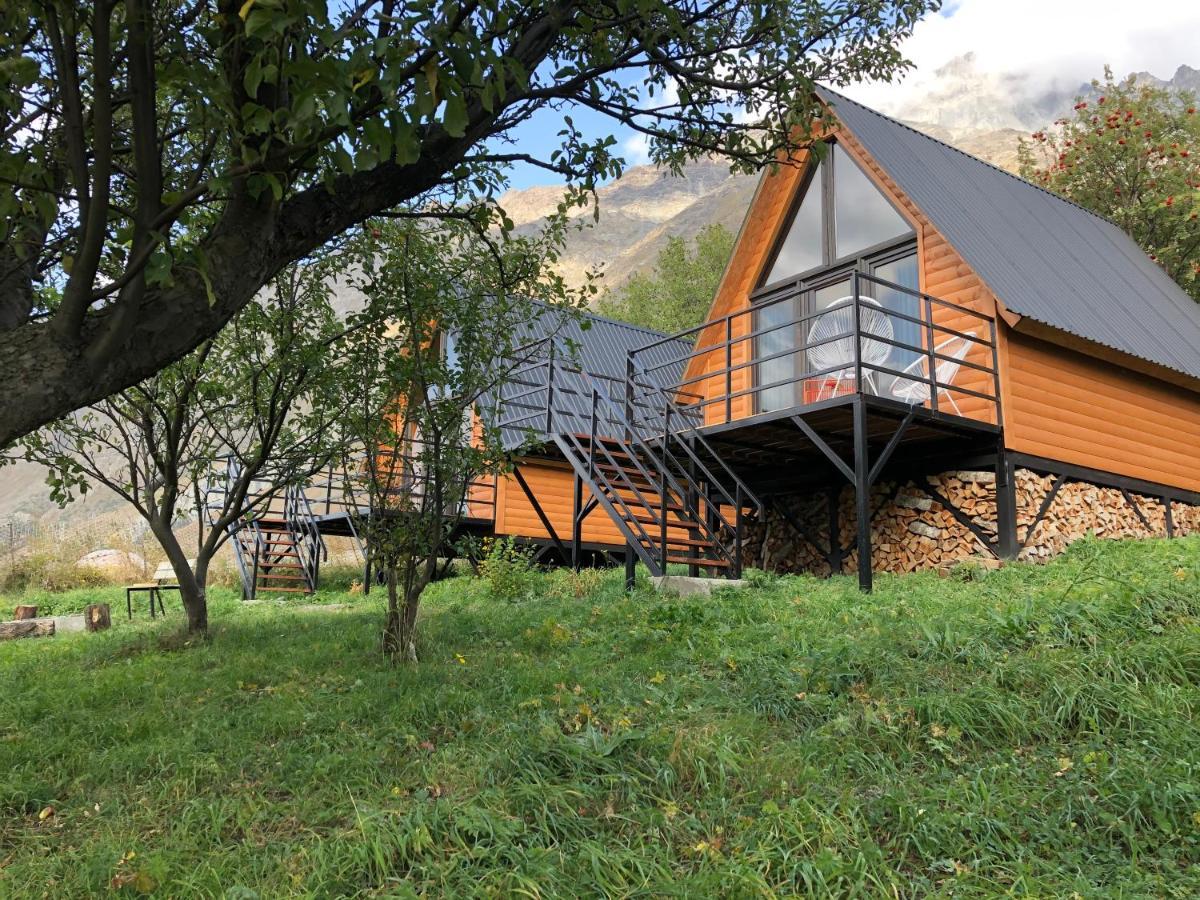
(600,348)
(1042,256)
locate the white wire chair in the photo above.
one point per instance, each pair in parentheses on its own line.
(838,318)
(919,392)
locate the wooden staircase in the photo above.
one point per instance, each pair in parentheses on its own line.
(278,566)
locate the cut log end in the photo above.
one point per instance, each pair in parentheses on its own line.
(97,617)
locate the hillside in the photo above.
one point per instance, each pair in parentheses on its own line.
(1031,732)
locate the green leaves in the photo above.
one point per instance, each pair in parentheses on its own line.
(454,119)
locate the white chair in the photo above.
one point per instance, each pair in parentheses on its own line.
(919,392)
(838,318)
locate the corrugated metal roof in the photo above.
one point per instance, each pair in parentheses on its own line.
(601,346)
(1042,256)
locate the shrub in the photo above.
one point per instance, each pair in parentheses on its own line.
(508,570)
(49,572)
(570,585)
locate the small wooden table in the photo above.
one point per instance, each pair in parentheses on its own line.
(162,578)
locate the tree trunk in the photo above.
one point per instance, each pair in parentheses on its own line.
(400,631)
(26,628)
(191,584)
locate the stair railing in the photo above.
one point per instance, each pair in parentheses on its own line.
(737,496)
(626,419)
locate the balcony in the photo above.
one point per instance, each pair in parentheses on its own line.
(899,348)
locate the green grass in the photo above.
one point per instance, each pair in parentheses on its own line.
(1031,732)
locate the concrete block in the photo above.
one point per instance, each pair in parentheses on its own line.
(686,586)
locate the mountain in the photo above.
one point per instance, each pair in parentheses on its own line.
(982,113)
(637,214)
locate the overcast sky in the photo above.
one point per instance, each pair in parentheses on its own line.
(1054,43)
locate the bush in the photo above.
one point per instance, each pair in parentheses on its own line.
(566,584)
(508,570)
(48,572)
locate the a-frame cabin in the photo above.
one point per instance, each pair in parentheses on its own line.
(912,351)
(913,357)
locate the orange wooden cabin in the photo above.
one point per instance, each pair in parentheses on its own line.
(894,309)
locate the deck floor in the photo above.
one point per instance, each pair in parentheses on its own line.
(773,455)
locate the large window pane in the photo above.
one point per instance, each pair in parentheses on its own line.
(862,216)
(832,310)
(778,322)
(801,249)
(902,272)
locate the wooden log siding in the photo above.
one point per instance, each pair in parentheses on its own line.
(553,485)
(1067,406)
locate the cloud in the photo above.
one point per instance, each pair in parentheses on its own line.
(637,149)
(1043,46)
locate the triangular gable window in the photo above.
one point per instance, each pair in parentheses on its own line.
(862,216)
(840,214)
(801,248)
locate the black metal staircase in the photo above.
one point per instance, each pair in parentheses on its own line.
(644,461)
(277,545)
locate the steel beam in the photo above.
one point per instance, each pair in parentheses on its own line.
(1007,546)
(862,495)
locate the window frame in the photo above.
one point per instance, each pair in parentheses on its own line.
(805,288)
(827,170)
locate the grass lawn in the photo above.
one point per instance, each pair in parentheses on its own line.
(1032,731)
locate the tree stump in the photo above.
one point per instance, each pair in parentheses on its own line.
(97,617)
(25,612)
(26,628)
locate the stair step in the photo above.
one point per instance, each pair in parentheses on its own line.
(708,563)
(671,507)
(268,576)
(284,590)
(648,520)
(686,542)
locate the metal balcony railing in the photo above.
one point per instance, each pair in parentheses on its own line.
(881,339)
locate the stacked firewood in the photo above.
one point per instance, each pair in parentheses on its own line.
(913,530)
(1186,519)
(913,526)
(1080,509)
